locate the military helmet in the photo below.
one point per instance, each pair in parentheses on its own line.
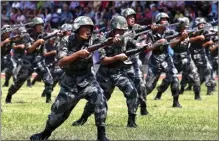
(183,22)
(66,27)
(199,20)
(82,20)
(118,22)
(37,20)
(127,12)
(22,30)
(6,28)
(161,15)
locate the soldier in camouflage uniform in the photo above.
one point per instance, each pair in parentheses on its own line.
(113,72)
(199,56)
(183,61)
(214,54)
(78,81)
(161,61)
(5,52)
(33,61)
(137,77)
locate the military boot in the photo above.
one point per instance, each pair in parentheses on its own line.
(158,96)
(80,121)
(197,96)
(209,90)
(48,97)
(101,134)
(131,121)
(176,102)
(8,98)
(144,109)
(42,135)
(182,90)
(189,88)
(29,83)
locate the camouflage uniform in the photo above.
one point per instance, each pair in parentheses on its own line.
(214,56)
(137,77)
(115,74)
(161,61)
(201,61)
(78,82)
(5,55)
(183,62)
(33,62)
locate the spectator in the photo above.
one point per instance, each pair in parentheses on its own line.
(13,15)
(139,16)
(20,17)
(88,12)
(4,17)
(73,5)
(177,15)
(166,10)
(66,15)
(154,11)
(56,18)
(148,15)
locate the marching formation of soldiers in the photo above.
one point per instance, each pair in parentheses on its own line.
(65,56)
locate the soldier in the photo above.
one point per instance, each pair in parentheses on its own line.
(33,61)
(161,61)
(137,77)
(113,72)
(214,54)
(78,81)
(198,53)
(5,52)
(183,61)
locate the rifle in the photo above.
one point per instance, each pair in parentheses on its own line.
(147,46)
(212,34)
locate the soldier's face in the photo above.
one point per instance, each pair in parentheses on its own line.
(131,20)
(200,26)
(39,28)
(119,31)
(85,32)
(164,21)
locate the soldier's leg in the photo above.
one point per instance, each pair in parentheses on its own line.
(29,82)
(8,75)
(98,100)
(35,79)
(128,88)
(208,79)
(107,85)
(194,77)
(151,80)
(60,111)
(46,76)
(162,88)
(175,91)
(183,82)
(22,77)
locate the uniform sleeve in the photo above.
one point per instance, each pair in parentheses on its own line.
(63,48)
(102,53)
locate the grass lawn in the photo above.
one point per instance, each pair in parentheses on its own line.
(197,120)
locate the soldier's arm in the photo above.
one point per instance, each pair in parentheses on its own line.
(48,53)
(110,60)
(5,42)
(197,38)
(207,44)
(35,45)
(65,59)
(212,48)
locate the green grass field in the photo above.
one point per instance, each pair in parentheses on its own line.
(197,120)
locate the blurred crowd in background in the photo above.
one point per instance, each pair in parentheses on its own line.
(55,13)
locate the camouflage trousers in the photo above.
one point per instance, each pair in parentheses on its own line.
(215,64)
(154,72)
(135,73)
(204,70)
(189,73)
(74,88)
(25,72)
